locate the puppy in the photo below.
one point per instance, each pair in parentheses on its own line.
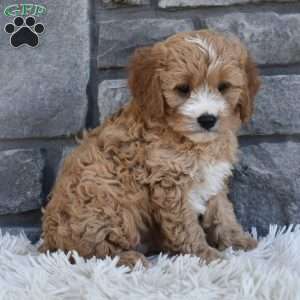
(151,170)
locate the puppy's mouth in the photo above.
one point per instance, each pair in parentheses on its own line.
(212,132)
(201,135)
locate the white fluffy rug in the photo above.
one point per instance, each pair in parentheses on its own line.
(272,271)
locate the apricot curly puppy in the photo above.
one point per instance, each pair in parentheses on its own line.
(149,171)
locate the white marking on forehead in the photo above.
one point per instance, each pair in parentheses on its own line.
(204,46)
(208,49)
(203,101)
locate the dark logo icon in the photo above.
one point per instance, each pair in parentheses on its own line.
(24,31)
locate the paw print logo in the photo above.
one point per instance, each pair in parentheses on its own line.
(24,32)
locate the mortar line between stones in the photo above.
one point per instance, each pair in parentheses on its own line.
(273,138)
(92,116)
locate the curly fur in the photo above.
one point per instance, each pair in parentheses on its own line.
(127,188)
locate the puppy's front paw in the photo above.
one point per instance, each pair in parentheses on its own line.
(131,258)
(209,254)
(247,243)
(238,241)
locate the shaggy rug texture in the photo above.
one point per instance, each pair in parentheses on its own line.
(272,271)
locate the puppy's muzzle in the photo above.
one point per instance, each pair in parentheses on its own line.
(207,121)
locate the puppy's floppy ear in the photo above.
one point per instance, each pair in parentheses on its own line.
(144,80)
(246,103)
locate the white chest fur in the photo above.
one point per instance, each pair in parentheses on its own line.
(208,182)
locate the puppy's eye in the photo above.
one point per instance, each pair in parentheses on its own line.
(223,87)
(183,89)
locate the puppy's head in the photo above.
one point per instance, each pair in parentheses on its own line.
(201,84)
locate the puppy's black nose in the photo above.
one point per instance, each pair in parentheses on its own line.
(207,121)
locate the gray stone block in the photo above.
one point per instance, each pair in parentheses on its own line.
(266,185)
(271,38)
(277,107)
(196,3)
(21,175)
(43,89)
(112,94)
(119,38)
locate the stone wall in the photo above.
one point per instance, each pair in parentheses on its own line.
(77,76)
